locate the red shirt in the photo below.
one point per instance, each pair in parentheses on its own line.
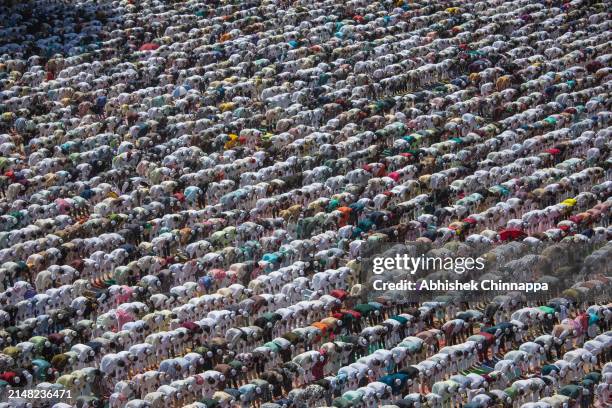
(339,294)
(318,368)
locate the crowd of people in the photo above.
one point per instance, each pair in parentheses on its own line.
(189,191)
